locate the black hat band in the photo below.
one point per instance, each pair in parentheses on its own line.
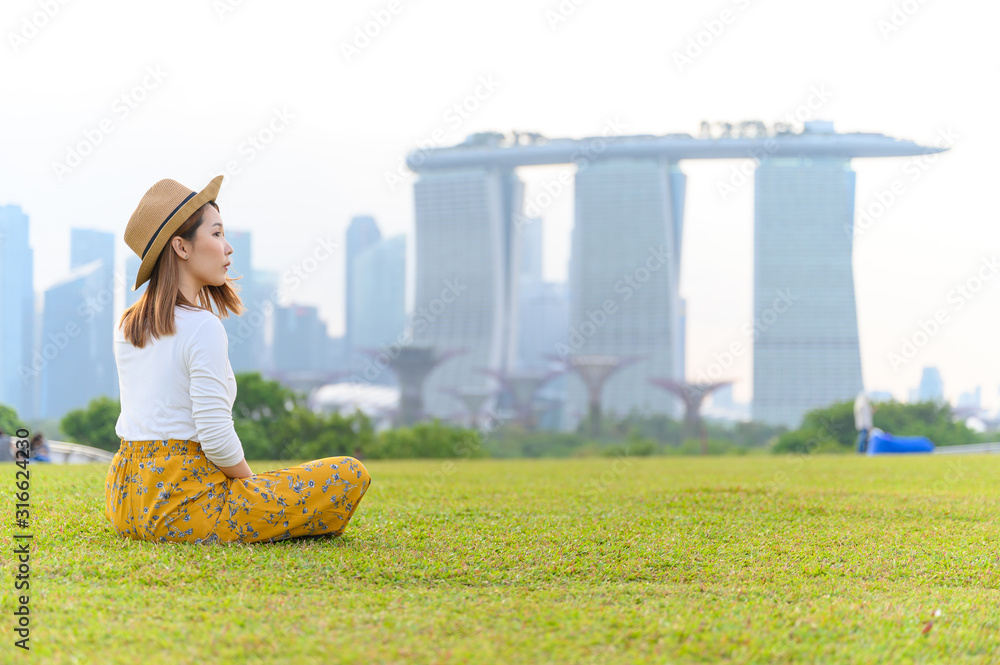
(169,217)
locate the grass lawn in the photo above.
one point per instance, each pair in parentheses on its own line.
(830,559)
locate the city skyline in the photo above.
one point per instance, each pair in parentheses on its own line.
(331,146)
(300,346)
(629,195)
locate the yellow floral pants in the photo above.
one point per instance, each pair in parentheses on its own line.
(168,491)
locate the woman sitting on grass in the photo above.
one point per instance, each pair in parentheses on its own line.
(180,473)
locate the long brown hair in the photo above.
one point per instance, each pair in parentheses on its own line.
(153,314)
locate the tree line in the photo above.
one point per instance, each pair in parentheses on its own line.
(274,423)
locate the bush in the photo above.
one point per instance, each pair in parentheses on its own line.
(713,447)
(635,447)
(432,440)
(928,419)
(333,434)
(802,441)
(831,429)
(535,444)
(94,425)
(257,443)
(9,420)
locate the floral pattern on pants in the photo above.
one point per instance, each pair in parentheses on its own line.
(168,491)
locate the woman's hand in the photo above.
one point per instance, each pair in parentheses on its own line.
(241,470)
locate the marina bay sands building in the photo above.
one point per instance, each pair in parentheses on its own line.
(806,350)
(629,199)
(629,215)
(467,275)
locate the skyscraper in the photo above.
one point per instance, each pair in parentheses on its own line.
(379,296)
(544,316)
(543,306)
(242,270)
(530,234)
(18,382)
(682,338)
(86,245)
(71,341)
(96,311)
(629,211)
(300,340)
(242,256)
(806,350)
(970,400)
(931,386)
(132,263)
(626,302)
(543,323)
(466,291)
(362,233)
(249,332)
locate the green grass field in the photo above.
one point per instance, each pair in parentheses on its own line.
(828,559)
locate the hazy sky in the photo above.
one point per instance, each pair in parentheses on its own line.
(107,97)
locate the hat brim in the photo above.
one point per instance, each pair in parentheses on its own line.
(176,220)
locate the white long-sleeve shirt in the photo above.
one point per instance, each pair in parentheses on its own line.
(863,412)
(181,386)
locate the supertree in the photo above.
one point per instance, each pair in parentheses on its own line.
(412,365)
(473,399)
(523,387)
(595,370)
(692,395)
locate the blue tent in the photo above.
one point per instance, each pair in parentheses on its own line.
(881,443)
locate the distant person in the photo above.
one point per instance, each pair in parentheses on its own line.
(7,443)
(180,473)
(863,414)
(39,449)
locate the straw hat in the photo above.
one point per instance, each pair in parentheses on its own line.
(162,210)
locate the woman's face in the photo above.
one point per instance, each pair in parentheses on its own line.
(208,260)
